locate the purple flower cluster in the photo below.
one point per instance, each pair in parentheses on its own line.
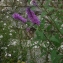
(31,15)
(19,17)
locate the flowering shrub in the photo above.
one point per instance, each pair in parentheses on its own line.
(34,37)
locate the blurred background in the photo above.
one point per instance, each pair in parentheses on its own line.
(46,46)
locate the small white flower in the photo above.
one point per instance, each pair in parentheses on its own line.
(60,28)
(31,3)
(7,16)
(62,25)
(17,0)
(10,34)
(4,24)
(3,28)
(51,48)
(1,36)
(9,55)
(61,46)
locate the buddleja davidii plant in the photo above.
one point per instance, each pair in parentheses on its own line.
(27,31)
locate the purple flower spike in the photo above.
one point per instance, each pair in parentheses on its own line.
(31,15)
(19,17)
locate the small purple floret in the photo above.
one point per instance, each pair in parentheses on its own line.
(19,17)
(28,29)
(34,3)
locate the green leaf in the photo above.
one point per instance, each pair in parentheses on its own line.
(43,13)
(53,55)
(29,1)
(47,3)
(55,58)
(61,30)
(55,41)
(49,27)
(40,35)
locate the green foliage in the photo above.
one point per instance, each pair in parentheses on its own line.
(48,37)
(40,35)
(55,57)
(29,1)
(55,41)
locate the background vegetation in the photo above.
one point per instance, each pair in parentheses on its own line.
(47,44)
